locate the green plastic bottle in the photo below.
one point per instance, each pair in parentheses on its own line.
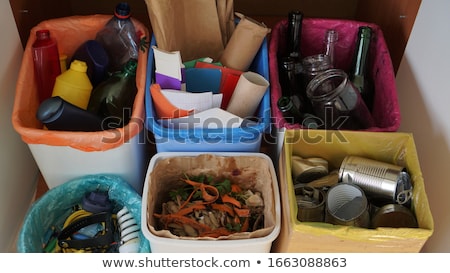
(74,85)
(113,99)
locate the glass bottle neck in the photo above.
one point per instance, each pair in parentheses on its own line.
(362,51)
(331,38)
(295,20)
(285,104)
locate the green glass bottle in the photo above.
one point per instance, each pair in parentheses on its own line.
(113,99)
(292,114)
(359,74)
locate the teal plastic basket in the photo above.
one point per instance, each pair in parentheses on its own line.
(52,208)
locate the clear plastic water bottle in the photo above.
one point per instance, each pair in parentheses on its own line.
(46,63)
(118,37)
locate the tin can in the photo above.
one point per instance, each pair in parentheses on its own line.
(347,205)
(305,170)
(378,179)
(310,204)
(395,216)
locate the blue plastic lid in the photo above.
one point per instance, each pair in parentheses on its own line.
(122,10)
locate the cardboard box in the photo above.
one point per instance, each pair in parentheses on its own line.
(391,147)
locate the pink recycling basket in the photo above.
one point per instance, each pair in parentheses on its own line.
(386,112)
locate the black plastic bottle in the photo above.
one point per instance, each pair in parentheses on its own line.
(57,114)
(359,73)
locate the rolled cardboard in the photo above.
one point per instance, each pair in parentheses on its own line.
(244,43)
(247,95)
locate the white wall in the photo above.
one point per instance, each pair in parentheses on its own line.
(18,170)
(423,83)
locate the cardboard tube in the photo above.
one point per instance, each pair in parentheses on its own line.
(247,94)
(244,43)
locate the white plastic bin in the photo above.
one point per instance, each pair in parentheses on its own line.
(63,155)
(263,244)
(63,163)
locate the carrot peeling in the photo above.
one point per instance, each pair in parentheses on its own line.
(242,212)
(223,207)
(245,225)
(190,209)
(216,233)
(235,188)
(231,200)
(181,219)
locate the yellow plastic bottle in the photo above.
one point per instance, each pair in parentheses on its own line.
(74,85)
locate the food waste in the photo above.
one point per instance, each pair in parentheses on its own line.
(208,207)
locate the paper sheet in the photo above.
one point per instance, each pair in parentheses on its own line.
(168,63)
(213,118)
(196,101)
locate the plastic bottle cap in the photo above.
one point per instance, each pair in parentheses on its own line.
(42,34)
(122,10)
(79,66)
(50,109)
(131,66)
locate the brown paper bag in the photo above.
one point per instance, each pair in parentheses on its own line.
(244,43)
(196,28)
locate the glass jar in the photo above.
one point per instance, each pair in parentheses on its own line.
(337,102)
(313,65)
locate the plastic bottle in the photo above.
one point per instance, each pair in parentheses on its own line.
(96,58)
(58,114)
(46,63)
(113,99)
(118,37)
(359,73)
(74,85)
